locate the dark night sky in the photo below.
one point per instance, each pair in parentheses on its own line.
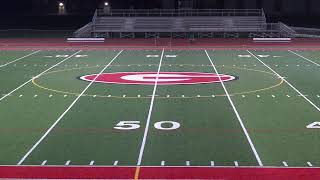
(87,6)
(80,12)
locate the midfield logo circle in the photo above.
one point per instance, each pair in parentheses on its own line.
(164,78)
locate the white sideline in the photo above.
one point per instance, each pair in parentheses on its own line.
(65,112)
(19,59)
(38,75)
(236,112)
(150,112)
(315,106)
(304,58)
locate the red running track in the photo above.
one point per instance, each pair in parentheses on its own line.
(94,172)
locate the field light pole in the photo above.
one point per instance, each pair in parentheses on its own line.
(61,8)
(106,7)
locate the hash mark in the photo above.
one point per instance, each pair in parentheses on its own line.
(163,163)
(212,163)
(285,163)
(67,163)
(115,163)
(44,162)
(91,163)
(309,164)
(236,163)
(187,163)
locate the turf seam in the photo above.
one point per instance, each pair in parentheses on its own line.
(315,106)
(304,58)
(37,76)
(149,113)
(18,59)
(64,113)
(236,113)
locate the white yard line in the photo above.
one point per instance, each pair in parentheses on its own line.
(315,106)
(149,114)
(19,59)
(38,75)
(65,112)
(236,113)
(304,58)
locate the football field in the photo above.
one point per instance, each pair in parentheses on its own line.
(162,107)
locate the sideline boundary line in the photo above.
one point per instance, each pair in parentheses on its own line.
(35,52)
(65,112)
(236,112)
(304,58)
(302,95)
(143,143)
(37,76)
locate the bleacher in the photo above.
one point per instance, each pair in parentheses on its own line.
(251,21)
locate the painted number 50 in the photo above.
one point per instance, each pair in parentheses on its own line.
(161,125)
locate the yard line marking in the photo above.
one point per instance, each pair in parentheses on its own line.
(150,112)
(304,58)
(67,163)
(309,164)
(315,106)
(44,162)
(187,163)
(236,163)
(19,58)
(39,75)
(285,163)
(212,163)
(236,113)
(163,163)
(65,112)
(91,163)
(115,163)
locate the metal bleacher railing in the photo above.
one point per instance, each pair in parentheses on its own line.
(179,12)
(152,22)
